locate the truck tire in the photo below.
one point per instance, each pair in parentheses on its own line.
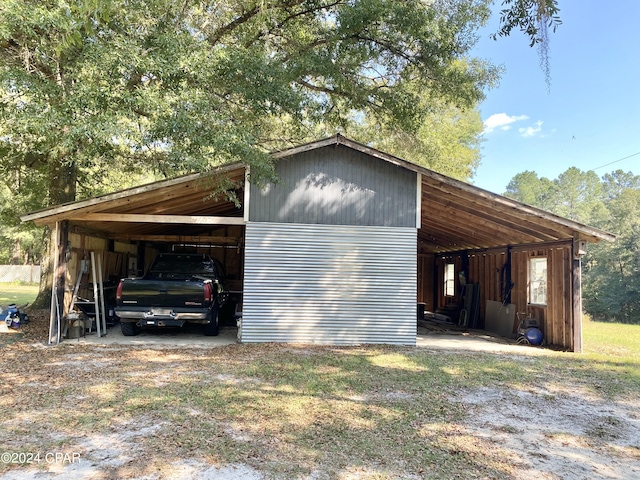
(129,329)
(212,328)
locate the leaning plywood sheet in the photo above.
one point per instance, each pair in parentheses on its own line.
(499,318)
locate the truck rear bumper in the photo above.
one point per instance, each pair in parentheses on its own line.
(167,316)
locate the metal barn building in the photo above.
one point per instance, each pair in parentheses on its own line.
(347,247)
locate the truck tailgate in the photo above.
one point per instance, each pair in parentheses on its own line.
(163,293)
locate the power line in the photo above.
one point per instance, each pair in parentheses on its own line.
(616,161)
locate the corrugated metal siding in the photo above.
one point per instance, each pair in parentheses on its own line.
(337,186)
(329,284)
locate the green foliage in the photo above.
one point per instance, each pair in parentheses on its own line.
(528,188)
(447,139)
(169,87)
(20,244)
(612,280)
(534,18)
(95,94)
(575,194)
(611,283)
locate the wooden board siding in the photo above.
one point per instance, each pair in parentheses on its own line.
(484,267)
(441,262)
(555,318)
(426,281)
(337,186)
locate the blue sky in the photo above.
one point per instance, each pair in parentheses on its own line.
(590,115)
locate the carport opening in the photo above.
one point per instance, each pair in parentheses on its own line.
(90,257)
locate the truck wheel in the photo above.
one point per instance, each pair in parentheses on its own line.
(212,328)
(129,329)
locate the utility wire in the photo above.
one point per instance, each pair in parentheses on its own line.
(616,161)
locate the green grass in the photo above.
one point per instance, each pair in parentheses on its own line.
(18,293)
(293,410)
(607,339)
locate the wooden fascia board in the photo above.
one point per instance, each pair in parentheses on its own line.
(341,140)
(143,218)
(50,215)
(307,147)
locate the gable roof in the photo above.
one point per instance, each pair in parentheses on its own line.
(454,215)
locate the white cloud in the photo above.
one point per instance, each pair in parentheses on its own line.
(501,121)
(532,130)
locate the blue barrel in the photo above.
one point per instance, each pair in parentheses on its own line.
(534,336)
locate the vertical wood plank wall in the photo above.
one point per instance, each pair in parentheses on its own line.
(426,278)
(484,268)
(555,318)
(441,262)
(114,263)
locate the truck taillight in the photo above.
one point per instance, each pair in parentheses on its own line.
(119,293)
(208,293)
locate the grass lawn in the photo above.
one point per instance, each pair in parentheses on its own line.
(18,293)
(311,412)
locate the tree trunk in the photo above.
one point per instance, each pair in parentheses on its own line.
(62,189)
(43,300)
(16,253)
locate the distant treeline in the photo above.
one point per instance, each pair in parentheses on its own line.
(611,271)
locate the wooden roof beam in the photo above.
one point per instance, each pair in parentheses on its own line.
(458,230)
(433,180)
(143,218)
(210,239)
(503,225)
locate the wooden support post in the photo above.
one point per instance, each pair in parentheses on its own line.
(576,271)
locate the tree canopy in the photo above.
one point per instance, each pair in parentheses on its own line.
(179,86)
(96,94)
(610,275)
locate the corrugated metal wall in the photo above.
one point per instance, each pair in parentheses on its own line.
(329,284)
(337,186)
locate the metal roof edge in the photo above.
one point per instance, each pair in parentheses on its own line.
(68,207)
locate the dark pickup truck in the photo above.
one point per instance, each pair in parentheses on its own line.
(178,288)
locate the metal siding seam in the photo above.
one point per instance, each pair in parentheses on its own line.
(329,284)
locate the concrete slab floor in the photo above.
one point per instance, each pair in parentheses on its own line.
(475,343)
(162,336)
(193,337)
